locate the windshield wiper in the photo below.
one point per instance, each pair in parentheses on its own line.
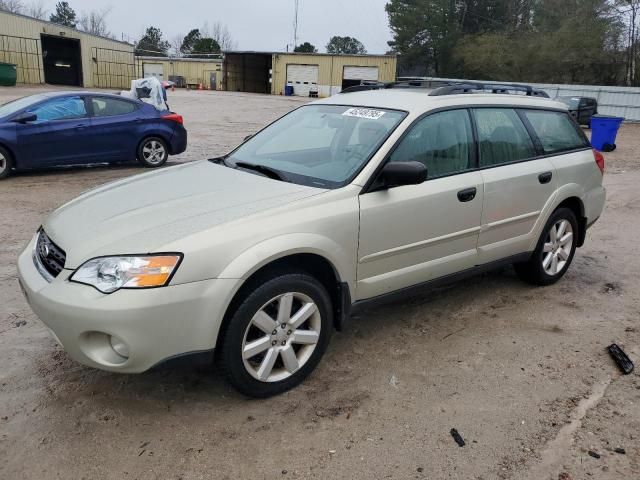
(219,160)
(263,169)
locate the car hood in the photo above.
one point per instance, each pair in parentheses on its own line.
(142,214)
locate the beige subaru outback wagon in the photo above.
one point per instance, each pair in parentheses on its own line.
(259,255)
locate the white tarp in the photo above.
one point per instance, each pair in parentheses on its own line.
(148,90)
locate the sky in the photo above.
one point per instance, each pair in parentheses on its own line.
(264,25)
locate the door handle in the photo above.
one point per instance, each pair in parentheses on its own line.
(467,194)
(545,177)
(82,126)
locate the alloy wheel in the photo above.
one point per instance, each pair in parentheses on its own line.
(153,152)
(557,248)
(4,164)
(281,337)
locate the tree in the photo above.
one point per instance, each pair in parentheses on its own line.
(36,10)
(305,47)
(190,39)
(152,44)
(12,6)
(64,15)
(425,33)
(220,33)
(175,44)
(345,45)
(95,22)
(204,47)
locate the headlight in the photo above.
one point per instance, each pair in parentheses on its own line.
(109,274)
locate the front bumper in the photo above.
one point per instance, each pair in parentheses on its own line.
(156,324)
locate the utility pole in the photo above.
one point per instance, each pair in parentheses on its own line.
(295,23)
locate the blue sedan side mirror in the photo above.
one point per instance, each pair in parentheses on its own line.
(25,117)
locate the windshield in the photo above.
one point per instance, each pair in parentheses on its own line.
(571,102)
(17,105)
(319,145)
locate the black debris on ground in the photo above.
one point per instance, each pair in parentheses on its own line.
(457,437)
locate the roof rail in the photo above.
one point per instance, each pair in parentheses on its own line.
(440,87)
(455,88)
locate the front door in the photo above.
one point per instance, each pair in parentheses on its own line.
(59,136)
(412,234)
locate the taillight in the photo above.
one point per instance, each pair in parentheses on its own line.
(599,160)
(174,117)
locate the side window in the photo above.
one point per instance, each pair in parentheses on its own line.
(60,109)
(503,137)
(555,131)
(442,141)
(108,107)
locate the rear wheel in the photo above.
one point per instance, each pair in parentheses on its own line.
(277,335)
(6,163)
(554,252)
(153,152)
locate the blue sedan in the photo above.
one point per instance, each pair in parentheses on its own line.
(75,128)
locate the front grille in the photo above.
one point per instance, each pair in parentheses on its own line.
(51,256)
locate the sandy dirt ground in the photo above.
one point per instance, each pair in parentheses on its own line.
(520,372)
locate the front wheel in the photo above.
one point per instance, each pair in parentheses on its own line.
(277,335)
(153,152)
(554,252)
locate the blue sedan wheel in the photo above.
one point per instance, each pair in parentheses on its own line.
(153,152)
(6,163)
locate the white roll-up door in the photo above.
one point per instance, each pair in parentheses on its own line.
(303,78)
(361,73)
(153,70)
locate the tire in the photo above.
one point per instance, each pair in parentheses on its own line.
(546,267)
(153,152)
(281,357)
(6,163)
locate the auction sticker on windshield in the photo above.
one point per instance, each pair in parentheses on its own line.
(364,113)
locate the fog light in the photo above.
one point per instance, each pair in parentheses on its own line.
(119,346)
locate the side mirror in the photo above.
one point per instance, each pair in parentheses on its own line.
(397,174)
(25,117)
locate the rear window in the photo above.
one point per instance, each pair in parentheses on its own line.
(572,102)
(556,131)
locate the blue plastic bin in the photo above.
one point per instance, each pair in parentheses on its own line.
(288,90)
(603,132)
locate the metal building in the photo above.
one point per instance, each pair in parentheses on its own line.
(314,74)
(191,72)
(45,52)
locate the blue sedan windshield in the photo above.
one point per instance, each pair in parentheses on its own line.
(319,145)
(20,104)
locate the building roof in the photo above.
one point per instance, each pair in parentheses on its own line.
(179,59)
(64,26)
(255,52)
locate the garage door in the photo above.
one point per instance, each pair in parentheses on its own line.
(361,73)
(303,78)
(153,70)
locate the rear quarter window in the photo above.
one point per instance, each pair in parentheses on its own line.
(556,131)
(110,107)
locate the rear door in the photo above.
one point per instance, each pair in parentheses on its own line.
(59,134)
(114,127)
(415,233)
(518,183)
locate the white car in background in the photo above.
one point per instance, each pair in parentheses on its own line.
(261,254)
